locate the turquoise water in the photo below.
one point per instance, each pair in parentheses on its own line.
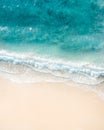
(58,35)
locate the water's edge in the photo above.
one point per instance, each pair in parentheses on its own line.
(11,63)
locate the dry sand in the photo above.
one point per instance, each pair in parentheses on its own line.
(49,106)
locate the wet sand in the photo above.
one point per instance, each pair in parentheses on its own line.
(49,106)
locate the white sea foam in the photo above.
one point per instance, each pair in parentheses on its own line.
(79,72)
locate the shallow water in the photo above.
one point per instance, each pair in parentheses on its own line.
(64,38)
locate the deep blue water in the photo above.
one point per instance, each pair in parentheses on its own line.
(67,30)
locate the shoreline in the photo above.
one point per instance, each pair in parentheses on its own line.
(48,106)
(82,72)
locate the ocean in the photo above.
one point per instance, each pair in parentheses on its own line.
(60,38)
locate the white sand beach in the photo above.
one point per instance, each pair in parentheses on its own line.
(49,106)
